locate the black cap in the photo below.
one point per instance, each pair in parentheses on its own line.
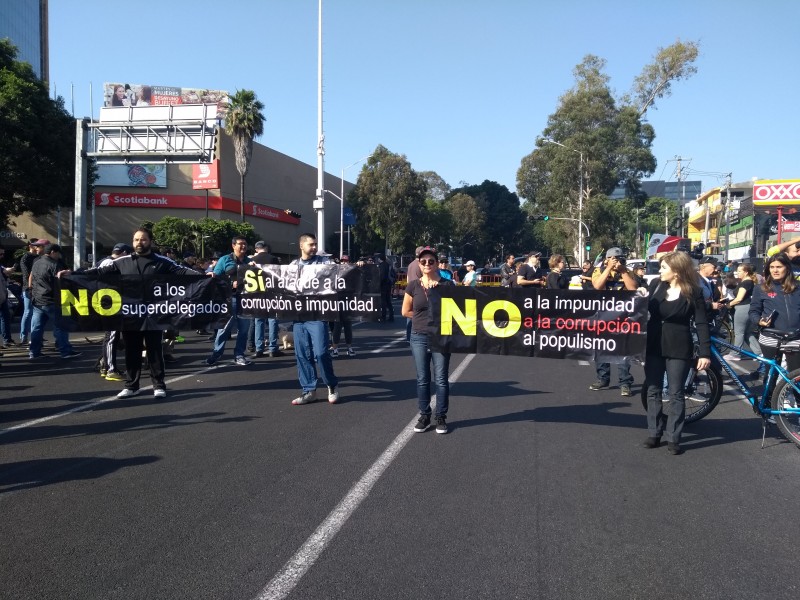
(52,248)
(120,248)
(261,244)
(708,260)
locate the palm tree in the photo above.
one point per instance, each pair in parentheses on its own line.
(243,122)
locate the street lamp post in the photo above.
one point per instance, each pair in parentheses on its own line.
(580,196)
(341,207)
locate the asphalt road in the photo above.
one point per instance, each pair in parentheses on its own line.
(226,491)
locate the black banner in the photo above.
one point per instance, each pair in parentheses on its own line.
(586,325)
(322,292)
(142,303)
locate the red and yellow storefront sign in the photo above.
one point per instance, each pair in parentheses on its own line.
(776,192)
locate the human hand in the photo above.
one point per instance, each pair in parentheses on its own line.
(703,363)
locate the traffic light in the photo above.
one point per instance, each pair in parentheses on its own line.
(588,246)
(292,213)
(540,218)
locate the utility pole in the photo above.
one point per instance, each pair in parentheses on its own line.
(681,192)
(727,214)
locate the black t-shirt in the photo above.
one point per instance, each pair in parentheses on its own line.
(528,272)
(419,303)
(747,285)
(557,281)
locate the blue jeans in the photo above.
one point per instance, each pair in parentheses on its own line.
(5,322)
(441,371)
(623,371)
(27,315)
(224,334)
(310,344)
(272,324)
(41,315)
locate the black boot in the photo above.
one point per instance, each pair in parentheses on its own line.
(651,442)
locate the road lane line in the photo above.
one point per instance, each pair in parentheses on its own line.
(296,567)
(84,407)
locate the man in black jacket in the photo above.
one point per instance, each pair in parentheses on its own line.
(143,261)
(44,273)
(264,256)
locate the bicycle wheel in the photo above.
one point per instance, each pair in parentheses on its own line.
(702,392)
(785,397)
(725,333)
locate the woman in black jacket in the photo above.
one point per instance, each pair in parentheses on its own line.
(779,293)
(675,300)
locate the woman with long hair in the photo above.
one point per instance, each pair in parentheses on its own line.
(743,328)
(776,304)
(675,300)
(416,308)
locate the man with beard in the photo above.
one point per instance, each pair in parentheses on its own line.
(143,261)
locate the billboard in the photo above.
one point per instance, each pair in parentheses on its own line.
(151,176)
(776,192)
(137,94)
(205,176)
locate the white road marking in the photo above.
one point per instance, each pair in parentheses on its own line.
(289,576)
(91,405)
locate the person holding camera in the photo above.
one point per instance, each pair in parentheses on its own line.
(614,275)
(776,304)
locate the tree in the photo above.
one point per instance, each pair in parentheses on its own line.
(208,234)
(243,122)
(37,142)
(469,220)
(437,224)
(672,63)
(389,200)
(504,220)
(615,148)
(438,189)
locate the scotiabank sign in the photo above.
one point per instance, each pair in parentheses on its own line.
(171,201)
(205,176)
(778,192)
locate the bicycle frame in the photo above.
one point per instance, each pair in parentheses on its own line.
(760,407)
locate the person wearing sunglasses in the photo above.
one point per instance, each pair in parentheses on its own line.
(416,308)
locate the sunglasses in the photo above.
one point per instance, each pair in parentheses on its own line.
(427,261)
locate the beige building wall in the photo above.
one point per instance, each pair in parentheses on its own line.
(274,180)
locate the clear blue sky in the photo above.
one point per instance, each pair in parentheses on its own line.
(461,87)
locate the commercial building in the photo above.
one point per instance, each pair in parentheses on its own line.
(127,195)
(24,22)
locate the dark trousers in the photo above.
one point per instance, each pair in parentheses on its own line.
(338,326)
(386,301)
(660,419)
(134,344)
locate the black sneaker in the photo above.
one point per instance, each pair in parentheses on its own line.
(599,385)
(259,354)
(423,423)
(72,354)
(441,425)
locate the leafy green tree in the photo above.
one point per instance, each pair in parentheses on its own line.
(243,122)
(37,142)
(438,188)
(389,200)
(209,235)
(437,225)
(673,63)
(504,221)
(612,142)
(468,219)
(174,233)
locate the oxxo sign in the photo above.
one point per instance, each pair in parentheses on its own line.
(778,192)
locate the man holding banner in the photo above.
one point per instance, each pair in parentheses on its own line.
(142,265)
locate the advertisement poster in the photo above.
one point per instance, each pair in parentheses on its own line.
(150,176)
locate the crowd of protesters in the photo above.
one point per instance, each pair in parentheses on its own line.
(681,294)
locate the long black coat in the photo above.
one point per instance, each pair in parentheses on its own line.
(668,330)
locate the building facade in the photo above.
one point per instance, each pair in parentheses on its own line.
(24,22)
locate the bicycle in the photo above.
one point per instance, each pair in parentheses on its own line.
(702,391)
(780,405)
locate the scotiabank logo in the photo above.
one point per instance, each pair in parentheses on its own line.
(260,210)
(204,171)
(137,200)
(128,200)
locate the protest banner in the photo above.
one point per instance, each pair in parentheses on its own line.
(317,292)
(114,302)
(577,324)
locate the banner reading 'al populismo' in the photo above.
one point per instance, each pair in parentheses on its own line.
(577,324)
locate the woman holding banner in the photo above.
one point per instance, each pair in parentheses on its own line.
(415,307)
(674,301)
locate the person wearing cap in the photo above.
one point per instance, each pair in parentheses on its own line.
(264,327)
(108,353)
(638,275)
(529,272)
(44,274)
(471,278)
(445,270)
(711,293)
(311,338)
(613,275)
(25,265)
(416,308)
